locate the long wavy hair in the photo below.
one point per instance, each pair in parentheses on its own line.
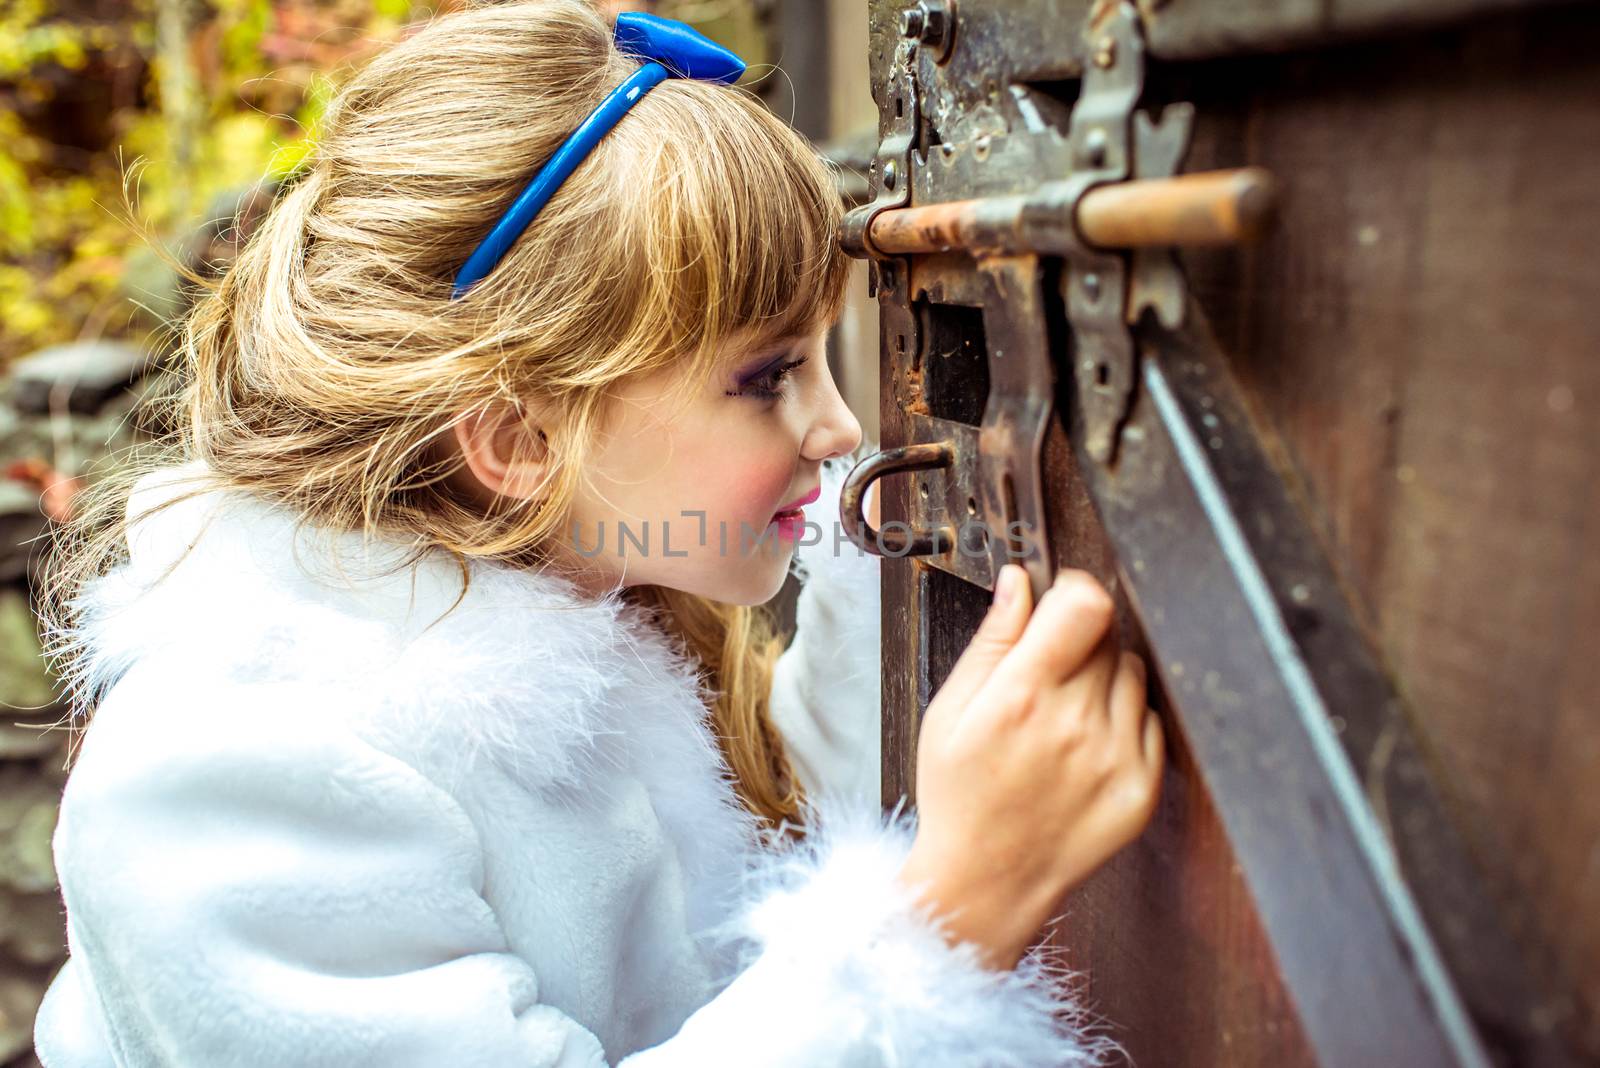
(323,368)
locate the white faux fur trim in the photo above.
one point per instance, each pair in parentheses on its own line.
(568,696)
(826,691)
(831,913)
(524,670)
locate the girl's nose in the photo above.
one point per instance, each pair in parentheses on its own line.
(834,430)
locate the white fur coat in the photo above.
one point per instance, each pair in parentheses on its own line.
(322,817)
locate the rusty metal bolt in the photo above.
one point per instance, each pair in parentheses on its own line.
(930,22)
(912,20)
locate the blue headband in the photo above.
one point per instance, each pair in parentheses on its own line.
(674,50)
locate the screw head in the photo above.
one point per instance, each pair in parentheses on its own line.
(1105,52)
(1091,286)
(891,175)
(1095,146)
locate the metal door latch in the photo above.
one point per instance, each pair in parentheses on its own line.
(1113,219)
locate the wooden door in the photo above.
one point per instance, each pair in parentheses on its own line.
(1341,478)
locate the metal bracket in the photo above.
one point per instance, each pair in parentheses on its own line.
(1017,416)
(891,167)
(1157,280)
(1109,142)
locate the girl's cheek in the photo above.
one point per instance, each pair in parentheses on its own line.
(759,491)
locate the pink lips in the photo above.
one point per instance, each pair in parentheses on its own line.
(795,506)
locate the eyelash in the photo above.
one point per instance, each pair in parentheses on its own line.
(775,376)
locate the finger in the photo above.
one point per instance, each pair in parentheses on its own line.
(996,635)
(1090,685)
(1072,617)
(1127,703)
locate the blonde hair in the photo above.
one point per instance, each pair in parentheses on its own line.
(323,368)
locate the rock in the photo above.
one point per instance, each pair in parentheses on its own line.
(82,376)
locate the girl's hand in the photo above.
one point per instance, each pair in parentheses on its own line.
(1038,759)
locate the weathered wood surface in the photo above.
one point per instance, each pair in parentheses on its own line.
(1420,339)
(1422,331)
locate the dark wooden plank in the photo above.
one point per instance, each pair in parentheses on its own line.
(1422,332)
(998,43)
(1167,935)
(1191,29)
(1338,325)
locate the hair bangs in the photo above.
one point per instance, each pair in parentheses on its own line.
(740,226)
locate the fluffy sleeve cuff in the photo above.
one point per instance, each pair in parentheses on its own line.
(865,978)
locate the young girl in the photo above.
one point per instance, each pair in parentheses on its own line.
(404,754)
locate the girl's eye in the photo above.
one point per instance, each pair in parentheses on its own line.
(768,385)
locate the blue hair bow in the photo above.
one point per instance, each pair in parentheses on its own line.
(674,50)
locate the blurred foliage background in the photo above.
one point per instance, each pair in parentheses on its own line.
(172,103)
(175,103)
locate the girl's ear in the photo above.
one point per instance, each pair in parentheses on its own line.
(505,450)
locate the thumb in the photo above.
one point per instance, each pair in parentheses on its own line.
(1001,627)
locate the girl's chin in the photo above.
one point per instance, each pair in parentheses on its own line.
(763,574)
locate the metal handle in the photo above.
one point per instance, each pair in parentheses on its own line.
(900,542)
(1210,208)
